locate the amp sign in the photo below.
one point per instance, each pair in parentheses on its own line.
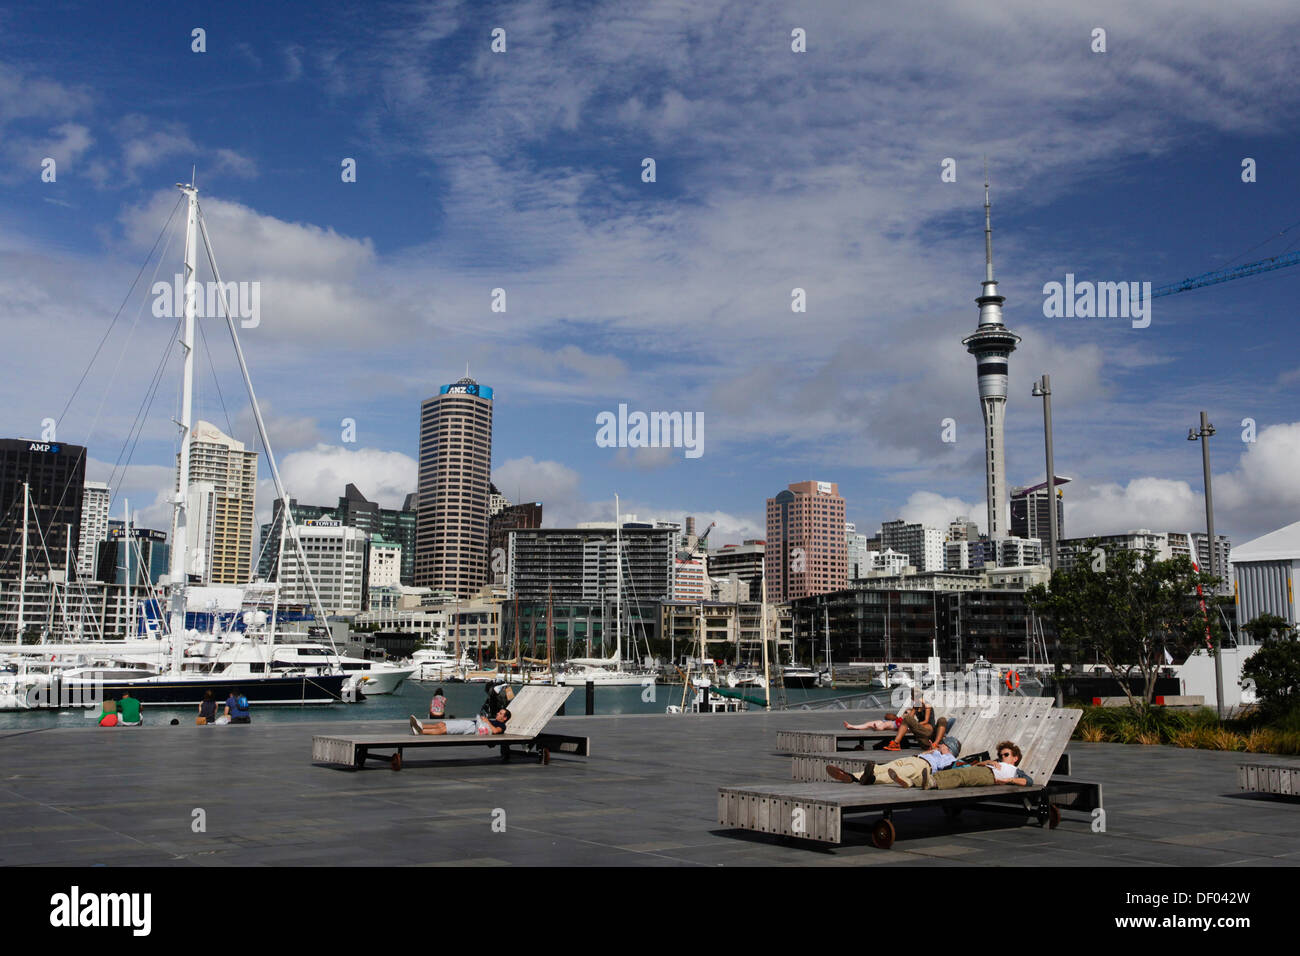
(43,447)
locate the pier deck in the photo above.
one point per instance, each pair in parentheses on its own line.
(88,796)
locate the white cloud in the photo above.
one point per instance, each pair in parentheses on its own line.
(936,511)
(318,476)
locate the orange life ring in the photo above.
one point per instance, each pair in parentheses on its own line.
(1012,680)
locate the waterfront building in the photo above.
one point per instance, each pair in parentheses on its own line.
(1166,544)
(903,625)
(1266,572)
(963,529)
(856,543)
(807,552)
(690,579)
(95,499)
(451,546)
(55,474)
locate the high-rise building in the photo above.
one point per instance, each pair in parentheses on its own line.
(395,525)
(857,551)
(922,545)
(806,550)
(148,557)
(337,559)
(508,518)
(744,562)
(576,565)
(963,529)
(55,474)
(992,344)
(95,499)
(451,538)
(1029,515)
(222,495)
(385,563)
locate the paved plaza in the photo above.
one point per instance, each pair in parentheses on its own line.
(646,797)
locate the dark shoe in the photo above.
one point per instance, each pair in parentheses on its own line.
(837,773)
(868,774)
(925,778)
(893,775)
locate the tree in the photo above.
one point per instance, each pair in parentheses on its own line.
(1128,609)
(1275,667)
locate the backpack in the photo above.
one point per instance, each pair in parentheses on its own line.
(242,702)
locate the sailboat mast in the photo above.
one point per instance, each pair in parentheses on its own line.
(180,509)
(126,529)
(618,579)
(22,573)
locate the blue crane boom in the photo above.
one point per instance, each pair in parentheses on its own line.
(1227,275)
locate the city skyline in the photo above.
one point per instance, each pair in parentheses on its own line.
(655,294)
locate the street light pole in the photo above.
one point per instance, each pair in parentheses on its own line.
(1205,432)
(1043,388)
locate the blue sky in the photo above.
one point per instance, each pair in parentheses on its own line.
(775,170)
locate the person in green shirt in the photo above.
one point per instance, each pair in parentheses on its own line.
(128,709)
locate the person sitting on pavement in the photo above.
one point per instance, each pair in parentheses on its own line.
(905,771)
(438,706)
(207,709)
(128,711)
(480,726)
(108,714)
(237,708)
(986,773)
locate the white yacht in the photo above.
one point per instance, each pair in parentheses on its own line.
(434,663)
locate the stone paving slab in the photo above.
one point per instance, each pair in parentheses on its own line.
(85,796)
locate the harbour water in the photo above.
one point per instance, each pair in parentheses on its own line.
(463,700)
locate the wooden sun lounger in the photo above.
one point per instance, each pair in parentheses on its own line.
(1269,778)
(530,711)
(830,741)
(815,811)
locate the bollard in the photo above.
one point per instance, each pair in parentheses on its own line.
(591,698)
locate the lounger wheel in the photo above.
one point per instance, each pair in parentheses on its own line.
(1053,816)
(882,834)
(505,754)
(546,756)
(396,761)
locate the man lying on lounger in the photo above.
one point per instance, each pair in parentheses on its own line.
(917,720)
(480,726)
(905,771)
(986,773)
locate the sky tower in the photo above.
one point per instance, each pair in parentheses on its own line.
(992,344)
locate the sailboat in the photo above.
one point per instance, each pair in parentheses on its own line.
(607,671)
(198,663)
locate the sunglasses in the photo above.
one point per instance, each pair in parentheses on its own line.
(1005,753)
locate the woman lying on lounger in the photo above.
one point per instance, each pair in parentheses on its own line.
(480,726)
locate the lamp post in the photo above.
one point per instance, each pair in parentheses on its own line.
(1206,430)
(1043,388)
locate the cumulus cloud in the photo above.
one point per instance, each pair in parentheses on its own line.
(317,476)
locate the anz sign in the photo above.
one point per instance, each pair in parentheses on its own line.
(482,391)
(43,446)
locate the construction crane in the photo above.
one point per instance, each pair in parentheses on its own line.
(701,543)
(1227,275)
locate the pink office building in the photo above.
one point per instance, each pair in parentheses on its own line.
(806,549)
